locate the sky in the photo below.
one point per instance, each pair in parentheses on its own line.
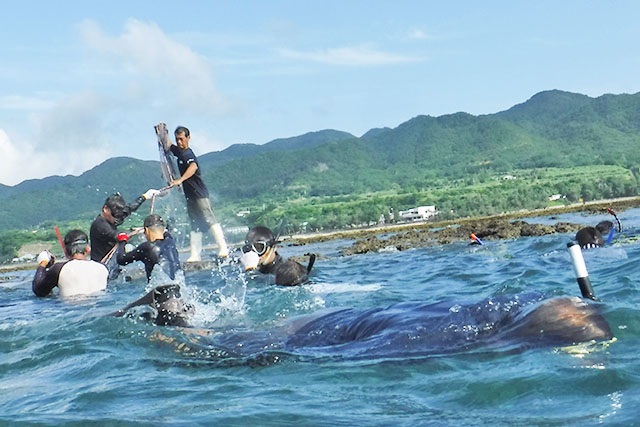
(81,82)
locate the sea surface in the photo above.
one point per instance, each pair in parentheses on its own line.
(388,338)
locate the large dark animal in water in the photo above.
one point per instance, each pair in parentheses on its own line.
(401,330)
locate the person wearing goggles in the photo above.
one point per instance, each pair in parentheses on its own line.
(104,229)
(260,252)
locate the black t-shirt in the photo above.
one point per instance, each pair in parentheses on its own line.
(103,236)
(194,187)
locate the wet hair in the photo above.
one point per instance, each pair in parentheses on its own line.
(154,221)
(604,227)
(182,129)
(75,242)
(118,207)
(260,234)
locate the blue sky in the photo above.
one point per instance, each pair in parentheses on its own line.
(82,81)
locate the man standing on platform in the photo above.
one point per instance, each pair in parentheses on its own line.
(195,191)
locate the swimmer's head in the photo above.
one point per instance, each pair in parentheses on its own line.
(604,227)
(76,242)
(115,209)
(171,308)
(154,227)
(589,237)
(261,240)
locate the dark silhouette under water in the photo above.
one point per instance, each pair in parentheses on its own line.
(411,329)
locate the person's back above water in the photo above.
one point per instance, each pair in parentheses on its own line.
(261,251)
(78,276)
(159,249)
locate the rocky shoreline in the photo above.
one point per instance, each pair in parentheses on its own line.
(495,227)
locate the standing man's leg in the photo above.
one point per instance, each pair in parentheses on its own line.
(195,239)
(201,214)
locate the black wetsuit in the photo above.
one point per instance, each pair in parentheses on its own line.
(287,271)
(161,252)
(104,235)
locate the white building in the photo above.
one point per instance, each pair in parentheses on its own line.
(419,213)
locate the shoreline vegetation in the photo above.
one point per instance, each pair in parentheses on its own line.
(431,233)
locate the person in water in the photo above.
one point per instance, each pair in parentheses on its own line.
(169,309)
(104,229)
(593,237)
(159,249)
(77,276)
(197,196)
(261,251)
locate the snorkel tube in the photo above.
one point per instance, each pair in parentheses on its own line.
(609,237)
(580,269)
(616,217)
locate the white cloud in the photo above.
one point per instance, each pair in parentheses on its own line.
(351,56)
(141,74)
(173,70)
(19,160)
(418,34)
(78,121)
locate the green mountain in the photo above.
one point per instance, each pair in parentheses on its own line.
(552,129)
(241,151)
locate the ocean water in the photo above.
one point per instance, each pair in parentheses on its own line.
(403,338)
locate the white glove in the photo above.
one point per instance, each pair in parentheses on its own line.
(250,260)
(150,193)
(45,256)
(128,247)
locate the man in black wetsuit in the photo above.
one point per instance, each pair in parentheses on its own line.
(261,251)
(197,195)
(159,249)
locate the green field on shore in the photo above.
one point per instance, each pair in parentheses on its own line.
(476,195)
